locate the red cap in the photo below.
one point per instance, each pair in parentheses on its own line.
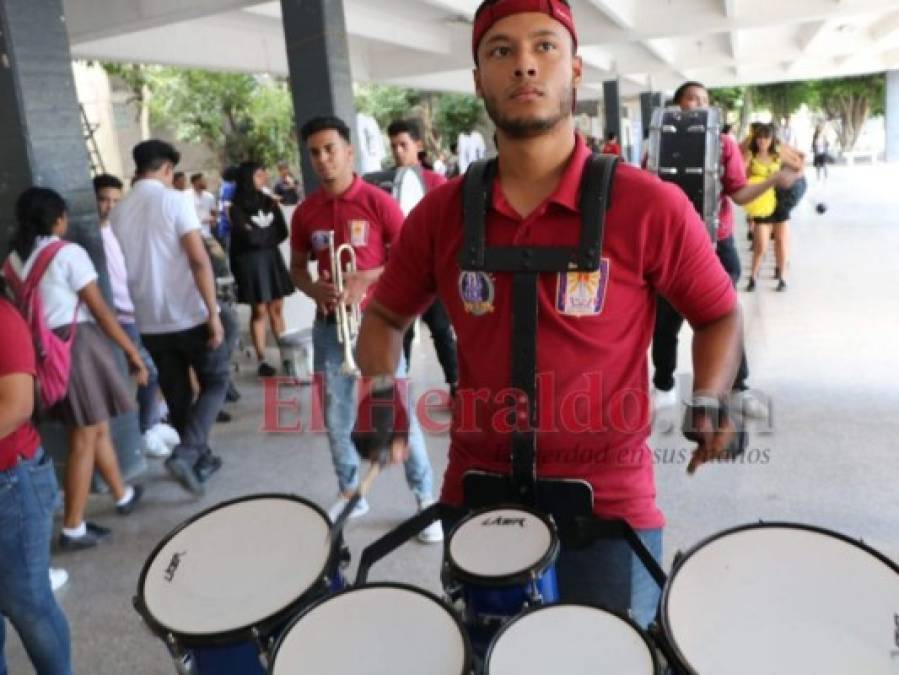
(557,9)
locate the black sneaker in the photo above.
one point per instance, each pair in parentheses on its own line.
(223,417)
(232,395)
(126,508)
(183,473)
(86,540)
(207,465)
(750,287)
(781,286)
(265,370)
(98,531)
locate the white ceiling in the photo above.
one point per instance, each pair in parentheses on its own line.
(648,44)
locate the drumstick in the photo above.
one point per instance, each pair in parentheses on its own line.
(361,491)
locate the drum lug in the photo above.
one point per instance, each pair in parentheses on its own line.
(534,595)
(184,661)
(262,646)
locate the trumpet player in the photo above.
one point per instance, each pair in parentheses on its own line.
(355,224)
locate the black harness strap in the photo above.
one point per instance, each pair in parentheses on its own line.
(527,263)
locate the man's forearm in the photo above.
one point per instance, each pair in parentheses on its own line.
(302,279)
(747,193)
(716,353)
(380,342)
(205,282)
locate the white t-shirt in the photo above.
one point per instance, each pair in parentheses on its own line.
(205,204)
(69,272)
(371,143)
(149,224)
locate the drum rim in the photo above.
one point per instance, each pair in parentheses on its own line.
(466,642)
(243,633)
(644,635)
(515,578)
(669,644)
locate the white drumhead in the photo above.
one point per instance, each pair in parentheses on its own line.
(408,188)
(570,639)
(237,565)
(500,543)
(784,600)
(374,630)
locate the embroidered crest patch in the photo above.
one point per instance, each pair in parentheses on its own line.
(477,292)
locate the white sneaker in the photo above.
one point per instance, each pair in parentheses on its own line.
(433,533)
(166,434)
(359,510)
(154,445)
(662,399)
(749,404)
(58,578)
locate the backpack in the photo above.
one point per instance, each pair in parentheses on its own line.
(54,354)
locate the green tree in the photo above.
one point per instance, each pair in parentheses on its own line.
(850,101)
(735,104)
(783,98)
(455,113)
(386,103)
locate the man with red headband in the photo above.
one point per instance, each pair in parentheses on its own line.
(587,415)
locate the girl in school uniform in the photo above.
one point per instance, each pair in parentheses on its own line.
(97,390)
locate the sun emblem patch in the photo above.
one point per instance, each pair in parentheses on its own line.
(477,292)
(359,232)
(583,293)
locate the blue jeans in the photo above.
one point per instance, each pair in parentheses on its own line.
(340,416)
(607,573)
(28,495)
(147,402)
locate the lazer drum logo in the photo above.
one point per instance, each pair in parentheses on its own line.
(499,521)
(173,566)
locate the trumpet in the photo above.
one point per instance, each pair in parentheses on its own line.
(349,317)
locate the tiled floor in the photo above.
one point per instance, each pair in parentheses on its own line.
(826,353)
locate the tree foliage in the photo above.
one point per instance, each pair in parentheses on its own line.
(238,116)
(849,102)
(455,113)
(782,99)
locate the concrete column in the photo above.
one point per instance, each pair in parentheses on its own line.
(42,143)
(649,101)
(612,107)
(318,59)
(892,116)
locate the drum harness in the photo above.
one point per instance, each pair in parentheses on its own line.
(569,502)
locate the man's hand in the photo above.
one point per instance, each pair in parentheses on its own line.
(715,433)
(216,332)
(382,422)
(355,285)
(786,178)
(325,296)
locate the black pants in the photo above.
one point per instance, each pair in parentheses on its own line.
(438,322)
(175,354)
(669,322)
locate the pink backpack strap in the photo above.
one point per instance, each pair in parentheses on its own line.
(44,258)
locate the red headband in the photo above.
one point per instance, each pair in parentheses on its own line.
(502,8)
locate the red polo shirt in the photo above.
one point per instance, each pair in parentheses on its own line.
(16,357)
(432,179)
(594,329)
(364,216)
(733,178)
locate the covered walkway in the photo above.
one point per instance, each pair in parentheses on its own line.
(825,351)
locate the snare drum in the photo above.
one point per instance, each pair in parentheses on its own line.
(574,640)
(379,629)
(219,589)
(498,562)
(782,599)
